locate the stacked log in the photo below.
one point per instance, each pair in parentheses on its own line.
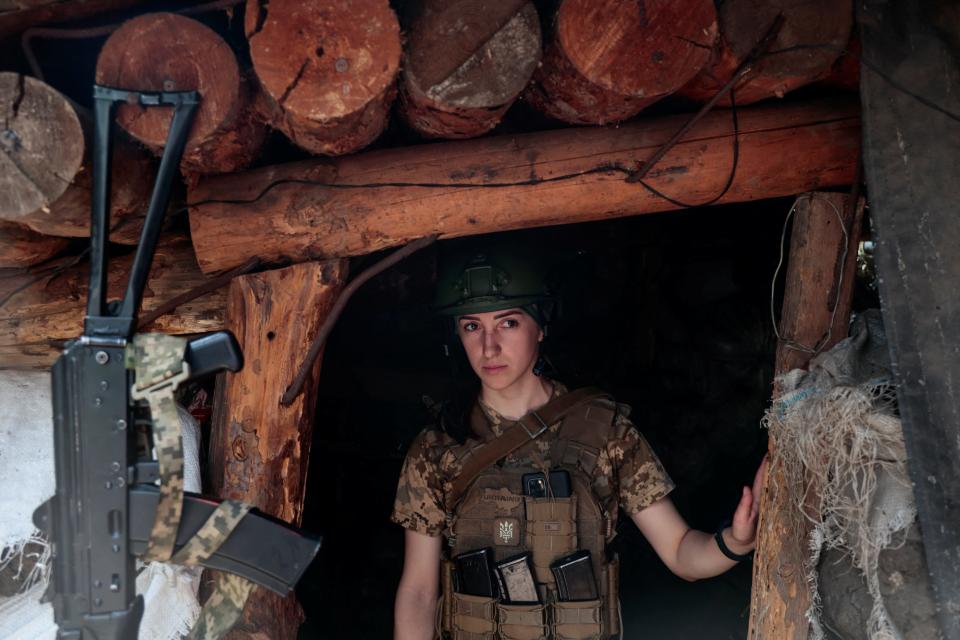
(23,247)
(812,36)
(466,63)
(168,52)
(38,312)
(45,169)
(327,69)
(287,212)
(610,59)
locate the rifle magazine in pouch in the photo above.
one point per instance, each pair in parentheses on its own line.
(551,532)
(446,599)
(474,617)
(578,620)
(522,621)
(612,571)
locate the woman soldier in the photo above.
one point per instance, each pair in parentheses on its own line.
(532,477)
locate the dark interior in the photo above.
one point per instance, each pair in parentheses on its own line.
(669,312)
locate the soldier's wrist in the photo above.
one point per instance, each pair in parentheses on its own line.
(730,546)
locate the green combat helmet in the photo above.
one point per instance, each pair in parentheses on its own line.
(480,281)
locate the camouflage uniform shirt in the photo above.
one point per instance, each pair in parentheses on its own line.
(627,468)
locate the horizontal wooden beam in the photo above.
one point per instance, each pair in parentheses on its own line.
(288,212)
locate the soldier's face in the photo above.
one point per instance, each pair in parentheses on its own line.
(502,346)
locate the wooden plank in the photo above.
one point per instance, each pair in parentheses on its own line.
(39,313)
(911,97)
(814,318)
(286,212)
(260,450)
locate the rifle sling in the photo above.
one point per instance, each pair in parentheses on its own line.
(526,429)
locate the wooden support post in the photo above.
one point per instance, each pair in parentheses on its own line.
(259,450)
(814,314)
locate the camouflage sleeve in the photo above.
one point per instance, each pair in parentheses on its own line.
(419,502)
(641,476)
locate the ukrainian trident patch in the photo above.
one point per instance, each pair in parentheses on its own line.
(506,531)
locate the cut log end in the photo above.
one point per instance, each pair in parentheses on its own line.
(41,146)
(168,52)
(327,69)
(812,37)
(466,64)
(608,59)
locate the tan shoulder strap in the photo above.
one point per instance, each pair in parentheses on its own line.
(524,430)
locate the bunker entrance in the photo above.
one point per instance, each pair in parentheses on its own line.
(668,312)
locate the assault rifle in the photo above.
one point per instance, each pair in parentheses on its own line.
(102,514)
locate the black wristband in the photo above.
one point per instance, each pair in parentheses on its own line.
(725,550)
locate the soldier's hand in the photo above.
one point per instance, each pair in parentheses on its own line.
(744,527)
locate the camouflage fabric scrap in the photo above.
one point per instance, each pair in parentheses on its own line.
(627,470)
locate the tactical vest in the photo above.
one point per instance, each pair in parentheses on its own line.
(494,513)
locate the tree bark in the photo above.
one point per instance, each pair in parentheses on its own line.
(784,150)
(45,166)
(169,52)
(328,69)
(23,247)
(610,59)
(260,450)
(812,36)
(816,313)
(38,312)
(465,64)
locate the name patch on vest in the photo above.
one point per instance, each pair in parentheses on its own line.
(506,532)
(503,499)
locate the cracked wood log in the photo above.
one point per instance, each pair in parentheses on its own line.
(45,166)
(169,52)
(817,298)
(327,69)
(813,34)
(564,176)
(465,64)
(38,312)
(610,59)
(260,450)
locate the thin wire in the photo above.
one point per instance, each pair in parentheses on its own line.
(825,339)
(730,177)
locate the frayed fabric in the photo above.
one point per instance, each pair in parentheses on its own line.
(843,454)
